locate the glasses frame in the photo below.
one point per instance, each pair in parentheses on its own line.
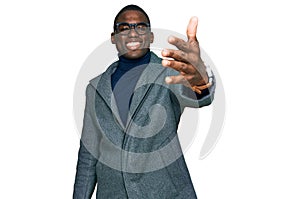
(131,26)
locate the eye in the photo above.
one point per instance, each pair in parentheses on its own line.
(141,27)
(123,28)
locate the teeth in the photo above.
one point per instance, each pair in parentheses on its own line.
(132,44)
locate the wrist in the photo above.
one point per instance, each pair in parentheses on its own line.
(206,79)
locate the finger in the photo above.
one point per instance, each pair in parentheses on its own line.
(182,56)
(179,66)
(179,79)
(206,86)
(192,29)
(179,43)
(175,54)
(199,89)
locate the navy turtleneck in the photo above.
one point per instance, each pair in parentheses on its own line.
(124,79)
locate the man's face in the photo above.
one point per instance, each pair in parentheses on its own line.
(132,45)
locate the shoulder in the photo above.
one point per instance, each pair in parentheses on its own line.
(154,58)
(94,81)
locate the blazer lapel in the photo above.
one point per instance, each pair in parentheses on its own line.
(103,87)
(144,84)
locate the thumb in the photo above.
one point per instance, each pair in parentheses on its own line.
(192,28)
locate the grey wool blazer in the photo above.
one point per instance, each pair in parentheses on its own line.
(143,158)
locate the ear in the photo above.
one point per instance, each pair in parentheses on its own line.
(112,38)
(151,37)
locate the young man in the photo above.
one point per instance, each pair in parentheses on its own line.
(129,145)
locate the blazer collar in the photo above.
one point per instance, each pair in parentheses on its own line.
(102,84)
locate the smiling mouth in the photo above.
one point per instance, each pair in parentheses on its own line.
(133,45)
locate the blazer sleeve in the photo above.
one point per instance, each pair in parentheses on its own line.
(85,179)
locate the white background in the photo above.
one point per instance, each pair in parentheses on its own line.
(254,45)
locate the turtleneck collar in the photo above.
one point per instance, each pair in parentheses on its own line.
(127,64)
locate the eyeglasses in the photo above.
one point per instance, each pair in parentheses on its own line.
(124,28)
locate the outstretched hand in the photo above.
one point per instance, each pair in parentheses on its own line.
(187,60)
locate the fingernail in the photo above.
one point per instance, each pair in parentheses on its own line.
(194,18)
(171,39)
(165,52)
(165,62)
(168,80)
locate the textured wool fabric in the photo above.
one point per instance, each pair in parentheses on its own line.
(118,157)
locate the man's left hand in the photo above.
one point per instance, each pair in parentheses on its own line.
(187,60)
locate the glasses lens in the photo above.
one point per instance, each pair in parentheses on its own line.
(142,28)
(123,28)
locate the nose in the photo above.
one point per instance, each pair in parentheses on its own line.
(132,32)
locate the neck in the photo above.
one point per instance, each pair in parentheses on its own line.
(127,64)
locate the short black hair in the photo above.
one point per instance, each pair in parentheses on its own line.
(131,7)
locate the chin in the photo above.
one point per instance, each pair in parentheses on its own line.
(135,54)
